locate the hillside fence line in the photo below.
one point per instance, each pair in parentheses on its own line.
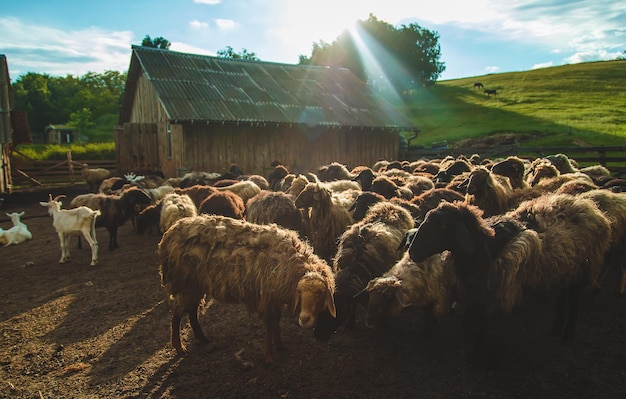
(26,172)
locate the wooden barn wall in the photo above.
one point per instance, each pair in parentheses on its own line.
(137,147)
(146,106)
(215,148)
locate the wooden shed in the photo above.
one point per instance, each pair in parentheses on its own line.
(187,112)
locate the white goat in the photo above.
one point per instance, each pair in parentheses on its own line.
(80,220)
(16,234)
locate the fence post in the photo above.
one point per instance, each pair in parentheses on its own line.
(71,166)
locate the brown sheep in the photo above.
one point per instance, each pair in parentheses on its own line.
(327,219)
(223,203)
(488,191)
(276,207)
(232,261)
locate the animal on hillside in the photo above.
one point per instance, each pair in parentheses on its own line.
(490,92)
(264,267)
(478,85)
(66,222)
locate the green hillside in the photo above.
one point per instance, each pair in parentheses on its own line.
(580,104)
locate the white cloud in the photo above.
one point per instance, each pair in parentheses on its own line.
(33,48)
(542,65)
(195,24)
(226,24)
(492,69)
(591,55)
(188,48)
(209,2)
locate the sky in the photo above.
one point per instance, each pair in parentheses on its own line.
(477,37)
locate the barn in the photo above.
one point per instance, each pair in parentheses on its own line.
(187,112)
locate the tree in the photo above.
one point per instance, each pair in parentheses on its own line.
(383,55)
(81,121)
(157,42)
(242,55)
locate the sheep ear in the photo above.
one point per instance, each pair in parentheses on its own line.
(296,303)
(400,299)
(464,238)
(330,304)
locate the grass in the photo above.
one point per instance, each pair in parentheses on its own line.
(89,151)
(579,104)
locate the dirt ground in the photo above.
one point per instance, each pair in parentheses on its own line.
(76,331)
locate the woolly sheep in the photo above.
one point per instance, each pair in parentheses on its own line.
(514,168)
(174,207)
(488,191)
(244,189)
(327,220)
(554,243)
(366,250)
(261,266)
(94,176)
(276,207)
(225,203)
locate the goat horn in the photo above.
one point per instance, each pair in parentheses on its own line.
(58,197)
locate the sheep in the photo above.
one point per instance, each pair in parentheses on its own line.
(276,207)
(173,207)
(365,178)
(115,210)
(514,168)
(149,218)
(430,285)
(334,171)
(327,220)
(94,177)
(276,176)
(16,234)
(366,250)
(553,243)
(488,191)
(71,221)
(431,199)
(363,202)
(197,192)
(261,266)
(385,187)
(244,189)
(224,203)
(614,207)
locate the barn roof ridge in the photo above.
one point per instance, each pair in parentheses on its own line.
(194,87)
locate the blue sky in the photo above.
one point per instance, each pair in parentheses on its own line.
(477,37)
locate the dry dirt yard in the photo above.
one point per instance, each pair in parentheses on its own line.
(76,331)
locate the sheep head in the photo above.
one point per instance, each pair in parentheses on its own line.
(454,227)
(382,304)
(314,296)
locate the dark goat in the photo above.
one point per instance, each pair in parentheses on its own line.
(115,209)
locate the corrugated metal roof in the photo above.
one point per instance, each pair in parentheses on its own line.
(202,88)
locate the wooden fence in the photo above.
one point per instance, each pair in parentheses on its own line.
(26,172)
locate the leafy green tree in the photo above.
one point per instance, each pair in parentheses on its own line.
(405,57)
(157,42)
(81,121)
(244,54)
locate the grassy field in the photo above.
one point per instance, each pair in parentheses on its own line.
(580,104)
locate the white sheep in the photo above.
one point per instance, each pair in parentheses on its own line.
(16,234)
(81,220)
(264,267)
